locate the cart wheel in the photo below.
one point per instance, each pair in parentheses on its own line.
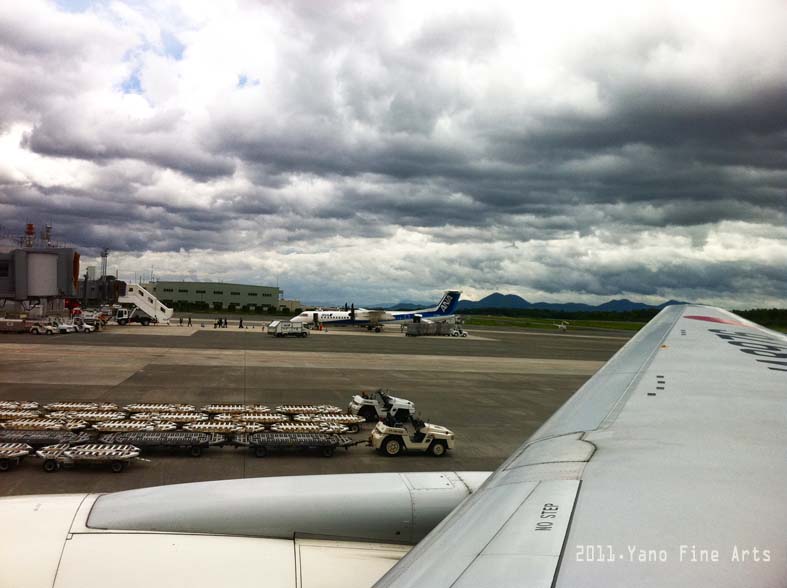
(438,448)
(354,428)
(327,451)
(4,465)
(118,466)
(50,465)
(260,451)
(392,446)
(195,451)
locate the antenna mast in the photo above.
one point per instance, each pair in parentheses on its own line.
(104,256)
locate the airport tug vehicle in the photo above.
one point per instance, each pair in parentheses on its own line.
(378,405)
(43,328)
(391,438)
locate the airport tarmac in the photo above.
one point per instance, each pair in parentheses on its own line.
(492,389)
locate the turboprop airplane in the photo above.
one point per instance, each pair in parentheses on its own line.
(443,311)
(666,468)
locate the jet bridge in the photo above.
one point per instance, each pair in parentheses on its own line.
(33,274)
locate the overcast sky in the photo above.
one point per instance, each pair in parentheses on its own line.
(384,151)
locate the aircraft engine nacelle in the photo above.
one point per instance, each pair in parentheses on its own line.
(336,530)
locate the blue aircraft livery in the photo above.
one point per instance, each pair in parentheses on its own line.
(444,310)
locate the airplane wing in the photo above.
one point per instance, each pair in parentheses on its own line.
(667,468)
(376,316)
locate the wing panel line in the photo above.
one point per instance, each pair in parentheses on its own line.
(481,551)
(565,539)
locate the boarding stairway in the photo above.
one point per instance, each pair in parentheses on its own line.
(146,302)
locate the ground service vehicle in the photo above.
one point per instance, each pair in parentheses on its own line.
(378,405)
(195,443)
(82,326)
(43,328)
(263,443)
(63,327)
(11,454)
(391,438)
(286,329)
(117,456)
(124,316)
(431,329)
(14,325)
(52,327)
(141,307)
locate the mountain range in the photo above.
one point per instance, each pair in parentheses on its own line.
(498,300)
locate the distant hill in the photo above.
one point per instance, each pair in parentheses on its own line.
(512,301)
(409,306)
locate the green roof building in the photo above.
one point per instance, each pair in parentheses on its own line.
(220,295)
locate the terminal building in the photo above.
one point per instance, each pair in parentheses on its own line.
(221,296)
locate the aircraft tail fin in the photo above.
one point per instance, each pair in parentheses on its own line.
(448,303)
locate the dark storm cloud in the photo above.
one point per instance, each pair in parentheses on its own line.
(294,127)
(668,159)
(691,280)
(65,135)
